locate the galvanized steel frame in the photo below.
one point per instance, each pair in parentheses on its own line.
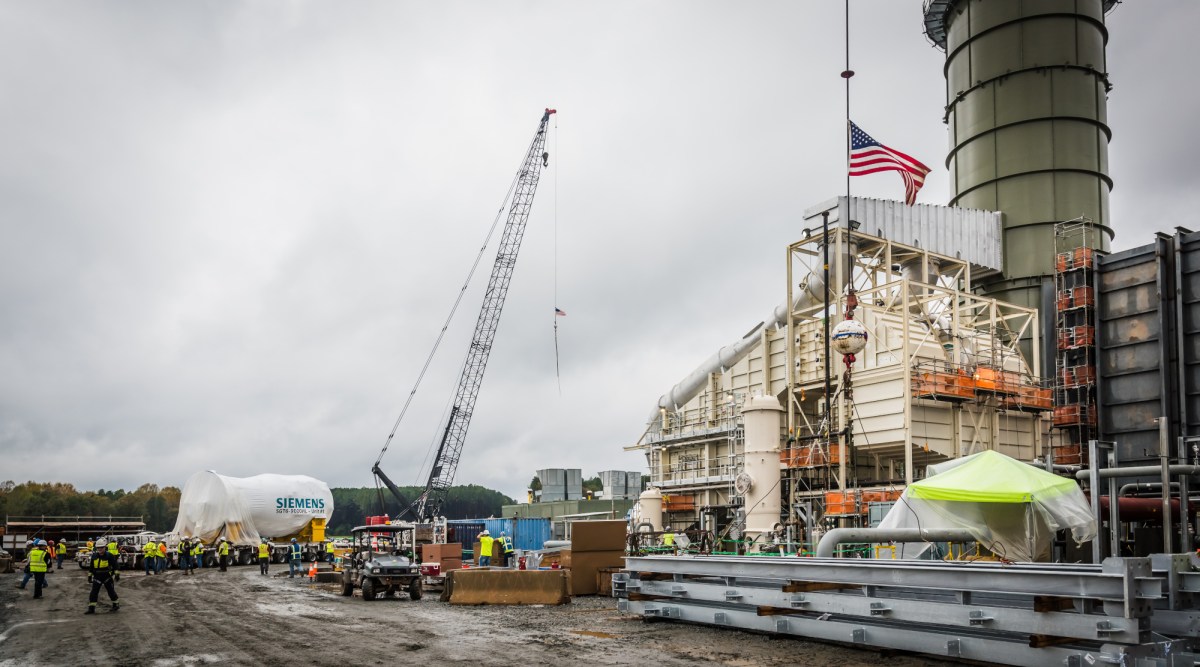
(975,611)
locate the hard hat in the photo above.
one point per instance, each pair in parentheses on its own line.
(503,534)
(101,542)
(293,539)
(41,543)
(28,543)
(485,533)
(264,540)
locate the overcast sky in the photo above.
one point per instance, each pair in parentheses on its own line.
(232,230)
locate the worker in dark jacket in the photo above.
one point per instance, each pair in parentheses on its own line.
(103,572)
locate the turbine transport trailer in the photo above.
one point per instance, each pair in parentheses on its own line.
(245,510)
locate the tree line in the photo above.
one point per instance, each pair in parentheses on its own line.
(159,506)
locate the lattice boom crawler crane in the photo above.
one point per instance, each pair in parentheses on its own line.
(445,464)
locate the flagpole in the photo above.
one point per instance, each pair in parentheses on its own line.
(847,73)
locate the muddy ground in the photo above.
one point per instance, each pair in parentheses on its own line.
(243,618)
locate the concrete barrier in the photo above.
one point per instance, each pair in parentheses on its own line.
(488,586)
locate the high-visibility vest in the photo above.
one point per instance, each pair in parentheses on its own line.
(150,550)
(329,547)
(669,540)
(485,545)
(264,551)
(198,550)
(113,549)
(91,544)
(506,545)
(37,560)
(295,549)
(223,550)
(162,549)
(62,549)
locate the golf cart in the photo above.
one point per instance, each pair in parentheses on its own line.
(381,561)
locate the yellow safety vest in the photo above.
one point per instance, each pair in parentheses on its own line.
(37,560)
(669,540)
(329,547)
(114,549)
(223,550)
(150,550)
(264,551)
(198,550)
(506,545)
(485,545)
(62,548)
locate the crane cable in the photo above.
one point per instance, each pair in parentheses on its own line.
(458,300)
(557,312)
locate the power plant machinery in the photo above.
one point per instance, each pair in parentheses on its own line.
(445,464)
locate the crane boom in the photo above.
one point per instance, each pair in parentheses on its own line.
(445,463)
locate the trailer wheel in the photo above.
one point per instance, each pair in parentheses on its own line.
(368,589)
(245,558)
(347,585)
(415,590)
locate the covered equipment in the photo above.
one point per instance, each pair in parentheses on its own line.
(247,509)
(1011,508)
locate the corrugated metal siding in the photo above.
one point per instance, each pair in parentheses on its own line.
(527,534)
(1149,339)
(969,234)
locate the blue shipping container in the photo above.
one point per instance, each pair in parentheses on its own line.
(527,534)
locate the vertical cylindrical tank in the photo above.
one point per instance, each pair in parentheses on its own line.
(1026,105)
(650,508)
(761,420)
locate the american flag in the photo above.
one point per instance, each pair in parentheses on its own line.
(868,156)
(559,312)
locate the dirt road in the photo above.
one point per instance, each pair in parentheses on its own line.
(242,618)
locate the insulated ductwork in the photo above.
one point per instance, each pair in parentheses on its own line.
(810,293)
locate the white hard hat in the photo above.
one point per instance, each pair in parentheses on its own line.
(101,542)
(485,533)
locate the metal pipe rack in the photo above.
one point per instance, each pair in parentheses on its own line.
(1134,612)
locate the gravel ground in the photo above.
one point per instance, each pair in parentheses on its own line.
(242,618)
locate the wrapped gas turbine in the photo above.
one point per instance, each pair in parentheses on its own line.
(245,509)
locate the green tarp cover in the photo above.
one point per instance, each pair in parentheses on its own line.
(991,477)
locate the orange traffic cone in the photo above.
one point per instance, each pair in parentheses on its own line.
(312,572)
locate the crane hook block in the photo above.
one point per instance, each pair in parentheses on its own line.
(550,111)
(545,159)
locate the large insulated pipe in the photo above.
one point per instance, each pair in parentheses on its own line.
(830,540)
(1145,509)
(1139,471)
(810,293)
(1026,104)
(761,465)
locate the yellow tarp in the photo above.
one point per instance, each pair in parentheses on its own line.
(991,477)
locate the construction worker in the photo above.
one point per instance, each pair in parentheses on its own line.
(185,554)
(150,557)
(485,549)
(293,558)
(91,545)
(197,554)
(506,547)
(161,563)
(223,553)
(264,556)
(103,572)
(668,539)
(329,551)
(61,552)
(39,562)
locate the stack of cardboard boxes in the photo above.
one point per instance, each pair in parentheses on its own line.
(448,556)
(595,546)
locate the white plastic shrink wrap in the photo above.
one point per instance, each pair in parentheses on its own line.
(245,509)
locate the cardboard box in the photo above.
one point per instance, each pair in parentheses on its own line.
(497,553)
(564,559)
(585,567)
(431,553)
(604,580)
(589,536)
